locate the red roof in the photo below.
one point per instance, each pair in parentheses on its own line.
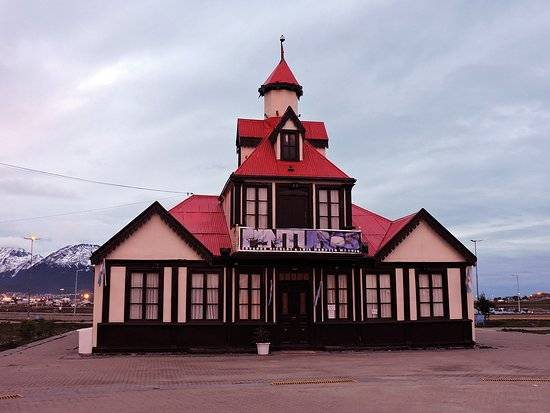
(376,230)
(281,74)
(202,216)
(263,162)
(261,128)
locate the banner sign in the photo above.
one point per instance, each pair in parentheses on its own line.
(292,240)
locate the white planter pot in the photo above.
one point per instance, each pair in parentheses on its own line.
(263,349)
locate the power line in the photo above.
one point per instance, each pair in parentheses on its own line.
(92,181)
(80,212)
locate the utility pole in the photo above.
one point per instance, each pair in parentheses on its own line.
(31,238)
(519,296)
(75,287)
(475,241)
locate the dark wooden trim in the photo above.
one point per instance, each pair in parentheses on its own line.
(288,115)
(232,207)
(406,294)
(281,86)
(349,213)
(356,275)
(140,220)
(463,293)
(175,294)
(318,143)
(249,141)
(228,294)
(238,201)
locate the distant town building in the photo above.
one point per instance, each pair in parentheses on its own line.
(282,247)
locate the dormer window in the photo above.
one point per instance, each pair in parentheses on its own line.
(290,146)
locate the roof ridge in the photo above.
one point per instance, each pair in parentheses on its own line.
(306,143)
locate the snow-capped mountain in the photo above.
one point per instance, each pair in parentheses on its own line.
(13,260)
(72,256)
(50,274)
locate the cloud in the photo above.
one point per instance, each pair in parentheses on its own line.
(443,106)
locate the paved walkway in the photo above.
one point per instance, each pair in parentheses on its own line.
(52,377)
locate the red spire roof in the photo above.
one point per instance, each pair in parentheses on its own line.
(281,74)
(281,78)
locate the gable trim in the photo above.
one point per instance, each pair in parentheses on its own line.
(443,232)
(288,115)
(139,221)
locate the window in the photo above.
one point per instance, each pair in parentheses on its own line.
(430,295)
(250,296)
(337,296)
(289,146)
(144,296)
(329,209)
(256,207)
(378,296)
(205,296)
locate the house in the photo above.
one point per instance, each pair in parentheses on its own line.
(282,246)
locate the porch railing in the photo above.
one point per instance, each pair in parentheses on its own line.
(299,240)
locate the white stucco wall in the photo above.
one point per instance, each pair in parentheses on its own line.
(116,294)
(399,296)
(276,102)
(424,245)
(154,240)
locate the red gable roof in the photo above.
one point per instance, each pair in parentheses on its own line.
(281,74)
(261,128)
(202,216)
(263,162)
(376,230)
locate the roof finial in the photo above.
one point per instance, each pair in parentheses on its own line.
(282,39)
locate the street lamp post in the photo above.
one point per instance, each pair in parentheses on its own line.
(31,238)
(75,287)
(519,296)
(475,241)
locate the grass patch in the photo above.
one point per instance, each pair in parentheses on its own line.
(516,323)
(16,334)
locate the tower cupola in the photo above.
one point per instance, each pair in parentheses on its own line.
(281,89)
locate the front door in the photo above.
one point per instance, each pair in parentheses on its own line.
(294,307)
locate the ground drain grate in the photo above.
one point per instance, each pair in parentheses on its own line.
(319,380)
(10,396)
(517,379)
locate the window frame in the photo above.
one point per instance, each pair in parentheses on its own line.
(189,295)
(445,291)
(349,303)
(127,294)
(296,147)
(238,289)
(393,295)
(245,201)
(340,190)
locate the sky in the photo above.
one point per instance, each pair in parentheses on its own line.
(436,105)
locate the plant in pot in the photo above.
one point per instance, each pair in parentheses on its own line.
(262,340)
